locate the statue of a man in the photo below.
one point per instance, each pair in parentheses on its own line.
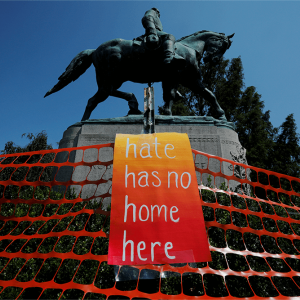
(154,32)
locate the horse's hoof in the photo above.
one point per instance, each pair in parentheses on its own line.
(167,112)
(134,112)
(222,118)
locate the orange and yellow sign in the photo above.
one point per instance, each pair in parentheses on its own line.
(156,214)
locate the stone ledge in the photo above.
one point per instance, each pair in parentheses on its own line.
(161,120)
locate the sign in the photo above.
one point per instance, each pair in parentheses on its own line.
(156,215)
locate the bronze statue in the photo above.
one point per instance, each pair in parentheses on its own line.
(154,34)
(153,57)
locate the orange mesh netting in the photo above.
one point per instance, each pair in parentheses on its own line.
(55,208)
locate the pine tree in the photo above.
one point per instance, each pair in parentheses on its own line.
(267,147)
(225,80)
(227,85)
(285,157)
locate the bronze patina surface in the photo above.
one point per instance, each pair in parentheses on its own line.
(153,57)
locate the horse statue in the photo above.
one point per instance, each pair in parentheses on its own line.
(117,61)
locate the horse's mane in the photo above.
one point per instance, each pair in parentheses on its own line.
(184,37)
(201,31)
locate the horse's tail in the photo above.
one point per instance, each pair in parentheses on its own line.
(81,62)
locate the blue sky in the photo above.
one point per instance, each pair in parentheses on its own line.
(39,39)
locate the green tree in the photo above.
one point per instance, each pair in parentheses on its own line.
(285,157)
(267,147)
(224,79)
(254,128)
(36,143)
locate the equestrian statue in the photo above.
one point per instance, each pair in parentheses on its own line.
(155,56)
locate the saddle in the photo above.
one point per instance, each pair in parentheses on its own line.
(141,41)
(140,46)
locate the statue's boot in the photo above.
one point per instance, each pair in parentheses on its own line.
(171,59)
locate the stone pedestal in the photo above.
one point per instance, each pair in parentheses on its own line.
(206,134)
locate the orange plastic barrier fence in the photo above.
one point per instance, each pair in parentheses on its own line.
(55,226)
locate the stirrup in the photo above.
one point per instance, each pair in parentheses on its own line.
(168,61)
(178,57)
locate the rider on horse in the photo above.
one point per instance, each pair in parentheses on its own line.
(117,61)
(152,24)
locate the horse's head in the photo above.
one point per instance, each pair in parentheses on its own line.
(215,46)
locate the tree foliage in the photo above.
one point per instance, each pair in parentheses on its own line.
(286,152)
(267,147)
(36,143)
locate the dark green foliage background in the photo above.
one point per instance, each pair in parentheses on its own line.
(268,147)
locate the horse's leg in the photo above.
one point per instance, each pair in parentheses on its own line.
(100,96)
(199,89)
(132,102)
(169,95)
(208,95)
